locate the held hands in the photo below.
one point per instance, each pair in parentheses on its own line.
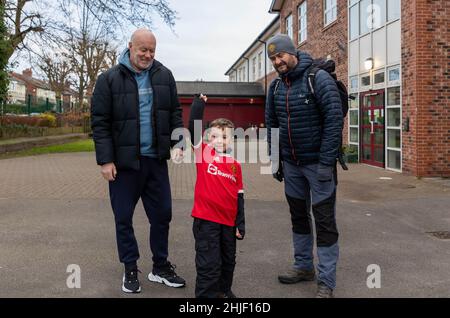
(203,97)
(109,171)
(177,155)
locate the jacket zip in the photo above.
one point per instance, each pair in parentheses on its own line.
(289,120)
(138,122)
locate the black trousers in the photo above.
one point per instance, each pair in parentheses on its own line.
(215,257)
(151,184)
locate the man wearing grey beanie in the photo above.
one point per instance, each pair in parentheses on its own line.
(308,119)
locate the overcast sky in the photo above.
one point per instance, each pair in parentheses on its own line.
(210,36)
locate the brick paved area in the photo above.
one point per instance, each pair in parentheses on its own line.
(55,211)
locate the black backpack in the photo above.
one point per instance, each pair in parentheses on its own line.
(328,66)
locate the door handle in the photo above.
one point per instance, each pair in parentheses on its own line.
(371,128)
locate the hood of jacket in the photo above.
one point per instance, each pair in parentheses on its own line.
(124,60)
(304,62)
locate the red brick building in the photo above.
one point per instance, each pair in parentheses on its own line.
(395,57)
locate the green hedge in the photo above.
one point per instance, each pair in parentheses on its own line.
(350,153)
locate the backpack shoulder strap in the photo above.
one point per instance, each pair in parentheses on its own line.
(311,78)
(277,84)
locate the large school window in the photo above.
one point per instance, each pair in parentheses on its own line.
(302,22)
(330,11)
(289,26)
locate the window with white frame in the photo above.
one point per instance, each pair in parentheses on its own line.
(353,120)
(364,14)
(330,11)
(393,128)
(254,68)
(244,73)
(302,22)
(379,77)
(393,10)
(354,22)
(260,65)
(393,75)
(365,80)
(289,26)
(354,84)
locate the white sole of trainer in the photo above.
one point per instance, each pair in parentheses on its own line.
(125,290)
(161,280)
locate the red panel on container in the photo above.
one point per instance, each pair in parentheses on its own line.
(243,112)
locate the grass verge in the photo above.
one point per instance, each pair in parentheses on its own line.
(85,145)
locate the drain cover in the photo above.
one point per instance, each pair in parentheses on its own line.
(443,235)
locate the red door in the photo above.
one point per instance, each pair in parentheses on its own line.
(372,128)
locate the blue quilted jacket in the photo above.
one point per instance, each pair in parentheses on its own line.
(310,125)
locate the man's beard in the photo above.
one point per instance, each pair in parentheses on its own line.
(282,72)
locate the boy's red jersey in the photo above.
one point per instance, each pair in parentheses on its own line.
(219,180)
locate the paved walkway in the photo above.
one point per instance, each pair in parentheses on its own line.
(54,211)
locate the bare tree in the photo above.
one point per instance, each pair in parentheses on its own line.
(90,50)
(89,57)
(25,18)
(20,23)
(57,69)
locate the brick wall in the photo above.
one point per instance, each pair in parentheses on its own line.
(322,41)
(426,87)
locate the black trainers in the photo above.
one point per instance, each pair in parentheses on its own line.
(130,281)
(293,276)
(167,276)
(323,291)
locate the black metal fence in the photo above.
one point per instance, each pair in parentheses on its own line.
(36,106)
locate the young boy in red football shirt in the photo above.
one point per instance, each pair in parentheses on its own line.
(218,210)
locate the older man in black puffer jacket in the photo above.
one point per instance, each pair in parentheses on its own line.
(135,110)
(310,133)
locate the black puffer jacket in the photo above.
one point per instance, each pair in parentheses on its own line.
(310,125)
(115,115)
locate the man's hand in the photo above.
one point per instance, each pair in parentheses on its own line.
(177,155)
(109,171)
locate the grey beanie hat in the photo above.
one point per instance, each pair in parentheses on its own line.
(280,43)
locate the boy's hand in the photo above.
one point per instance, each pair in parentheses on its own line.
(204,97)
(177,155)
(239,236)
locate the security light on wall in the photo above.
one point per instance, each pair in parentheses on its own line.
(368,64)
